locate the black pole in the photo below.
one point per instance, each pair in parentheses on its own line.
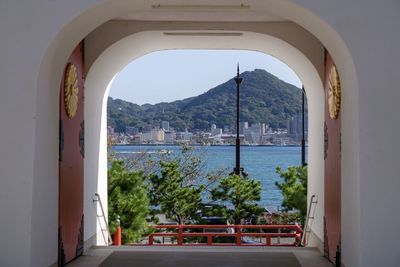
(238,80)
(303,140)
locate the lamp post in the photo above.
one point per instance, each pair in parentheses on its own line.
(238,170)
(303,140)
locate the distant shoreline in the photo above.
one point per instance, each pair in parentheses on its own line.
(207,145)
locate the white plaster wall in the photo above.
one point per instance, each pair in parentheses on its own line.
(38,36)
(95,165)
(370,177)
(29,129)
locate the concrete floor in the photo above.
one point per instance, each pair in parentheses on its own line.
(143,256)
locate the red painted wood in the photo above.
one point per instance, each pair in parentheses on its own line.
(332,201)
(71,167)
(182,233)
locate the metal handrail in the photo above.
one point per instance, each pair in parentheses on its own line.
(307,227)
(108,239)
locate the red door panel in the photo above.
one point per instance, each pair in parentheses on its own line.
(71,168)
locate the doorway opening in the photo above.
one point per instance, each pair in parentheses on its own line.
(192,103)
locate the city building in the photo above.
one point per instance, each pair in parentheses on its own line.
(215,130)
(242,126)
(145,137)
(169,137)
(253,133)
(157,135)
(295,128)
(184,137)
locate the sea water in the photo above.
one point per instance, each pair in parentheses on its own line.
(259,162)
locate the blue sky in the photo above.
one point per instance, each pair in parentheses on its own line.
(170,75)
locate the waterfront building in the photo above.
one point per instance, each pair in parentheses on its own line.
(169,137)
(216,131)
(157,135)
(184,136)
(230,139)
(295,128)
(263,128)
(145,137)
(242,126)
(252,134)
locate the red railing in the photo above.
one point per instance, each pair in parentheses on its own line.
(180,232)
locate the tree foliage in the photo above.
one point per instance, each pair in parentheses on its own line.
(294,189)
(180,184)
(127,199)
(176,196)
(242,195)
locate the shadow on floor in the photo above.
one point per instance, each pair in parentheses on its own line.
(201,259)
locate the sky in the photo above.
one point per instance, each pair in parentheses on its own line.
(169,75)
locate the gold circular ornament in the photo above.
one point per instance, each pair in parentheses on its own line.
(71,90)
(334,93)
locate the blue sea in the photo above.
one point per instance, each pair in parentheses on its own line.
(259,162)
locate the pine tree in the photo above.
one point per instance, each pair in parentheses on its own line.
(294,189)
(177,197)
(242,194)
(128,199)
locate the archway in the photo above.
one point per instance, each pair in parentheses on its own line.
(54,61)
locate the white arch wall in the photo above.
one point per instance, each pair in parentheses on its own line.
(38,36)
(123,52)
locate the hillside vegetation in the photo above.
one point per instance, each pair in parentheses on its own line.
(263,98)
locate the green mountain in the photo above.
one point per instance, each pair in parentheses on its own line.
(263,98)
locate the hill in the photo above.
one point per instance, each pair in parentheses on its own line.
(263,98)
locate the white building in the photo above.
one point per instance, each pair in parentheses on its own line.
(242,126)
(38,38)
(253,133)
(217,131)
(184,136)
(157,135)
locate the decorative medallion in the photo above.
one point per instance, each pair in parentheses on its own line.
(334,93)
(71,90)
